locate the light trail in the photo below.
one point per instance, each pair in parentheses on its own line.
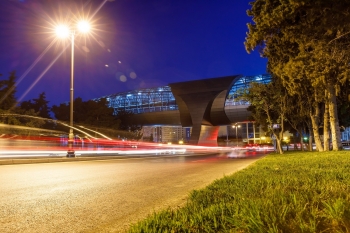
(96,132)
(27,128)
(81,153)
(41,118)
(77,129)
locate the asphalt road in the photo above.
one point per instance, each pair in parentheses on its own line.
(102,196)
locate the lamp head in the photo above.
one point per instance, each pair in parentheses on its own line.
(84,26)
(62,31)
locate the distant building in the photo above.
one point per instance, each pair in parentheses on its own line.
(345,135)
(166,134)
(202,105)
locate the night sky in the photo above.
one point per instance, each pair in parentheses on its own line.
(134,44)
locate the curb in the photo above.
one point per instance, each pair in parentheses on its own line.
(11,161)
(54,160)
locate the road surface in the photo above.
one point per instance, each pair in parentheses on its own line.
(102,196)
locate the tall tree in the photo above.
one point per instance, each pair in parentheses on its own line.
(61,112)
(39,105)
(7,92)
(87,112)
(100,114)
(126,124)
(310,35)
(270,103)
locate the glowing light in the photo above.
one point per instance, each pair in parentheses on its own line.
(106,65)
(84,26)
(62,31)
(122,78)
(133,75)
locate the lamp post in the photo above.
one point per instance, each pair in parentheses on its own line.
(63,31)
(236,126)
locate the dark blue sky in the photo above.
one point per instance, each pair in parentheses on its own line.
(135,44)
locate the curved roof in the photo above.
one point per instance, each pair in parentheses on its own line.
(162,99)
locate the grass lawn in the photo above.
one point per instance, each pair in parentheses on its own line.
(294,192)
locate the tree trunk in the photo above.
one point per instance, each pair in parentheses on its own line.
(295,142)
(315,123)
(333,118)
(278,139)
(301,142)
(326,124)
(310,143)
(279,146)
(300,132)
(280,135)
(310,128)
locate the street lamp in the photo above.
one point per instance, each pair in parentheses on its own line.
(64,31)
(236,126)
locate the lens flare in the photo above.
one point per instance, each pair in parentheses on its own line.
(84,26)
(62,31)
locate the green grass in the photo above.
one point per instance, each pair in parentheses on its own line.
(294,192)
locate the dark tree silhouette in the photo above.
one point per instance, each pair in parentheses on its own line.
(7,92)
(39,105)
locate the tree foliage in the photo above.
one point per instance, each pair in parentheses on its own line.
(270,104)
(126,124)
(7,92)
(11,114)
(306,43)
(95,113)
(39,105)
(100,116)
(32,113)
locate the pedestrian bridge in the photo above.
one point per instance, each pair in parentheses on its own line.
(202,104)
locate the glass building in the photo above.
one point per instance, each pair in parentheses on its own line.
(243,83)
(143,100)
(162,99)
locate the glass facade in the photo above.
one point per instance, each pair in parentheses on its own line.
(162,99)
(143,100)
(243,82)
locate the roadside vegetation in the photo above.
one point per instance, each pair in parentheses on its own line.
(294,192)
(306,44)
(35,115)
